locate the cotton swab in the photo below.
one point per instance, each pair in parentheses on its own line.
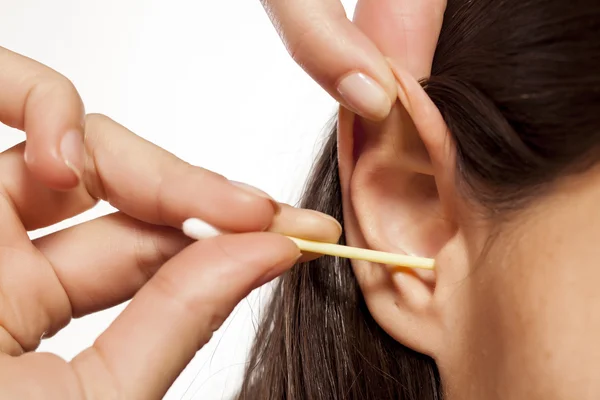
(198,229)
(399,260)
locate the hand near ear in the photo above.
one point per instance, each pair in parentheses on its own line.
(46,106)
(398,181)
(344,59)
(182,291)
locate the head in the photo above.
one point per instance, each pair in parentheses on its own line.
(489,163)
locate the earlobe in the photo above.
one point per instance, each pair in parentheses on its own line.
(395,180)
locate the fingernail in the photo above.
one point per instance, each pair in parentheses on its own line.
(198,229)
(72,151)
(29,159)
(258,192)
(276,271)
(364,95)
(400,76)
(328,217)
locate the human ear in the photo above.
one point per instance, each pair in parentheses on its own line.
(398,188)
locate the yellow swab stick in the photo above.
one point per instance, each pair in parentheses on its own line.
(198,229)
(380,257)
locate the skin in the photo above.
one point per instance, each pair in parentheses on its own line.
(511,311)
(179,297)
(511,322)
(321,39)
(181,290)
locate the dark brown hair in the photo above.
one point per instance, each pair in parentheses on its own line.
(518,83)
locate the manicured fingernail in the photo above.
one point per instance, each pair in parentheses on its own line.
(72,151)
(258,192)
(198,229)
(364,96)
(276,271)
(329,218)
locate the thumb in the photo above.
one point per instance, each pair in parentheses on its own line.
(335,53)
(177,311)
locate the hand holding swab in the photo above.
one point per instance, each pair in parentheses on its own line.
(196,229)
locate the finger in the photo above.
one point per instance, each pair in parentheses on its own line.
(77,271)
(73,272)
(104,262)
(405,31)
(36,204)
(175,314)
(335,53)
(101,263)
(306,224)
(48,108)
(150,184)
(139,178)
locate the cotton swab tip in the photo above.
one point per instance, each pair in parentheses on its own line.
(197,229)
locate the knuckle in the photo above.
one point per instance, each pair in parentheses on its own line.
(221,309)
(53,84)
(148,252)
(297,45)
(211,302)
(8,344)
(192,303)
(93,377)
(216,320)
(316,29)
(27,317)
(163,196)
(229,257)
(176,291)
(95,125)
(311,41)
(68,85)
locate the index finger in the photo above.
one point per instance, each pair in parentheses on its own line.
(150,184)
(335,53)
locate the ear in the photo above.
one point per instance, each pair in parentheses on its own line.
(398,188)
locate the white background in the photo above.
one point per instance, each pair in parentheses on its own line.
(209,81)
